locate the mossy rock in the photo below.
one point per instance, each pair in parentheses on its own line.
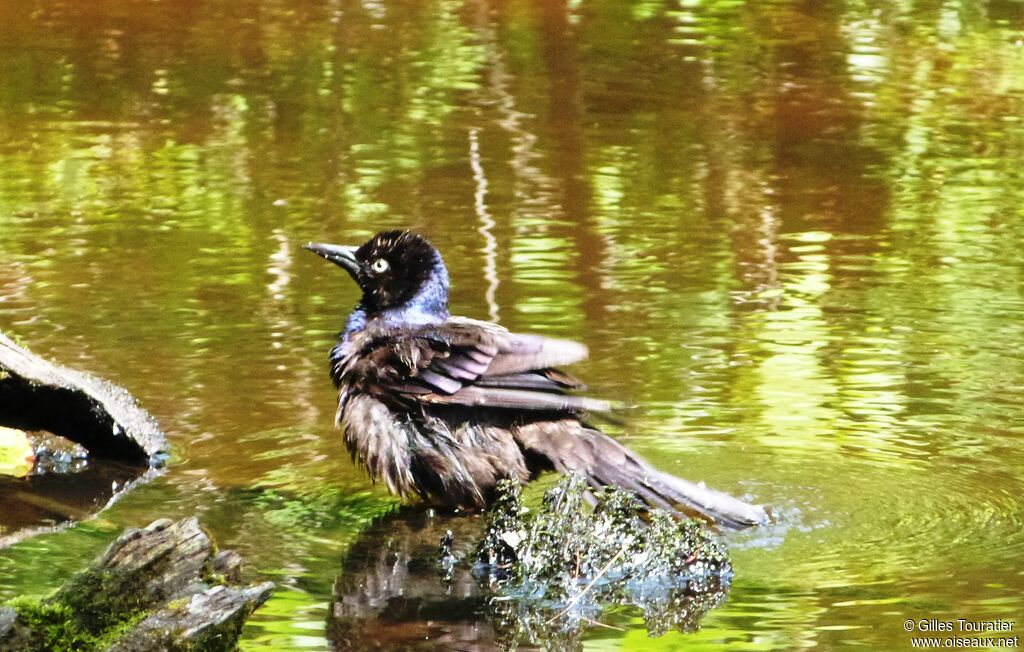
(154,589)
(556,568)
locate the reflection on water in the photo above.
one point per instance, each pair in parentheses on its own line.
(394,593)
(47,501)
(788,231)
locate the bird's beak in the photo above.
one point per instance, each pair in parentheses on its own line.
(340,255)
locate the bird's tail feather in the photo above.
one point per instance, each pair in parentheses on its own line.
(602,461)
(666,491)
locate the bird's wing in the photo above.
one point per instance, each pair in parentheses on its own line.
(470,363)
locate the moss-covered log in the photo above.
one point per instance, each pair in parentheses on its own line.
(102,417)
(161,588)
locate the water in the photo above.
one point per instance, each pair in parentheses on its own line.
(789,232)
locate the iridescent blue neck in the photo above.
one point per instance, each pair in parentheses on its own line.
(428,306)
(356,322)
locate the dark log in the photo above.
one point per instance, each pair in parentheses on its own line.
(161,588)
(102,417)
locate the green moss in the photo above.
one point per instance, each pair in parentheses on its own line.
(101,600)
(88,613)
(51,627)
(116,633)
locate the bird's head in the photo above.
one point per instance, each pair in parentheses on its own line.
(394,269)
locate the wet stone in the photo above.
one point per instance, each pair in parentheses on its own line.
(55,454)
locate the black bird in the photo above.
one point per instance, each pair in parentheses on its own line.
(444,407)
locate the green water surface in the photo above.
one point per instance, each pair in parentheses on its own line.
(790,232)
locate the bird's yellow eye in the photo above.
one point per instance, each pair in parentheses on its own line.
(380,265)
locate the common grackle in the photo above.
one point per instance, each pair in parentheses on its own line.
(444,407)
